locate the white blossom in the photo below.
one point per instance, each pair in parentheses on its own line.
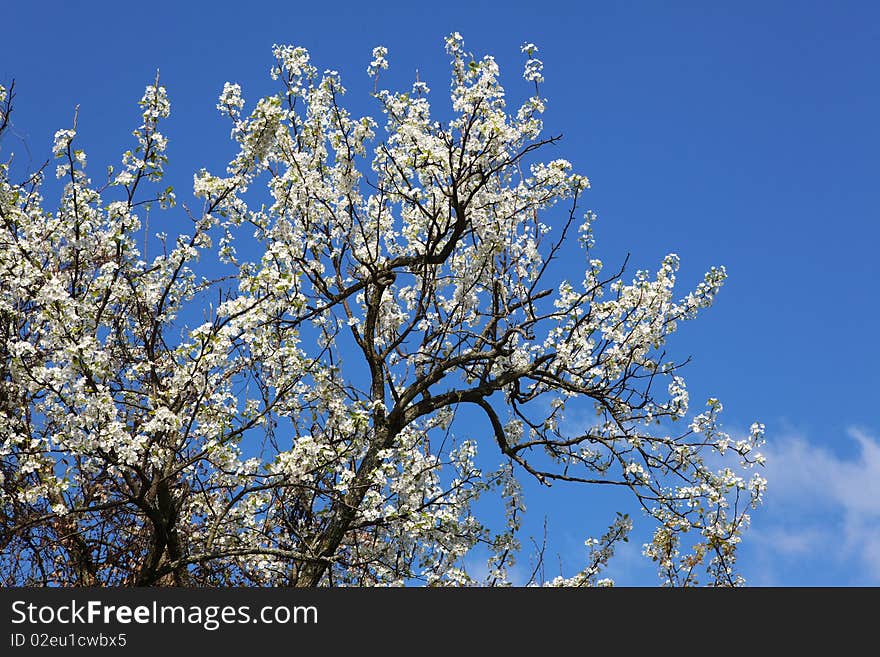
(384,347)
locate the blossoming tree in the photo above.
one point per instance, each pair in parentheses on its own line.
(312,415)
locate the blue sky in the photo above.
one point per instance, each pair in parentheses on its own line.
(742,134)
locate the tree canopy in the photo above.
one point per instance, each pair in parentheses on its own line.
(308,409)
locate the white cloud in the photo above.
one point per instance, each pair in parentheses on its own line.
(790,542)
(823,506)
(799,468)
